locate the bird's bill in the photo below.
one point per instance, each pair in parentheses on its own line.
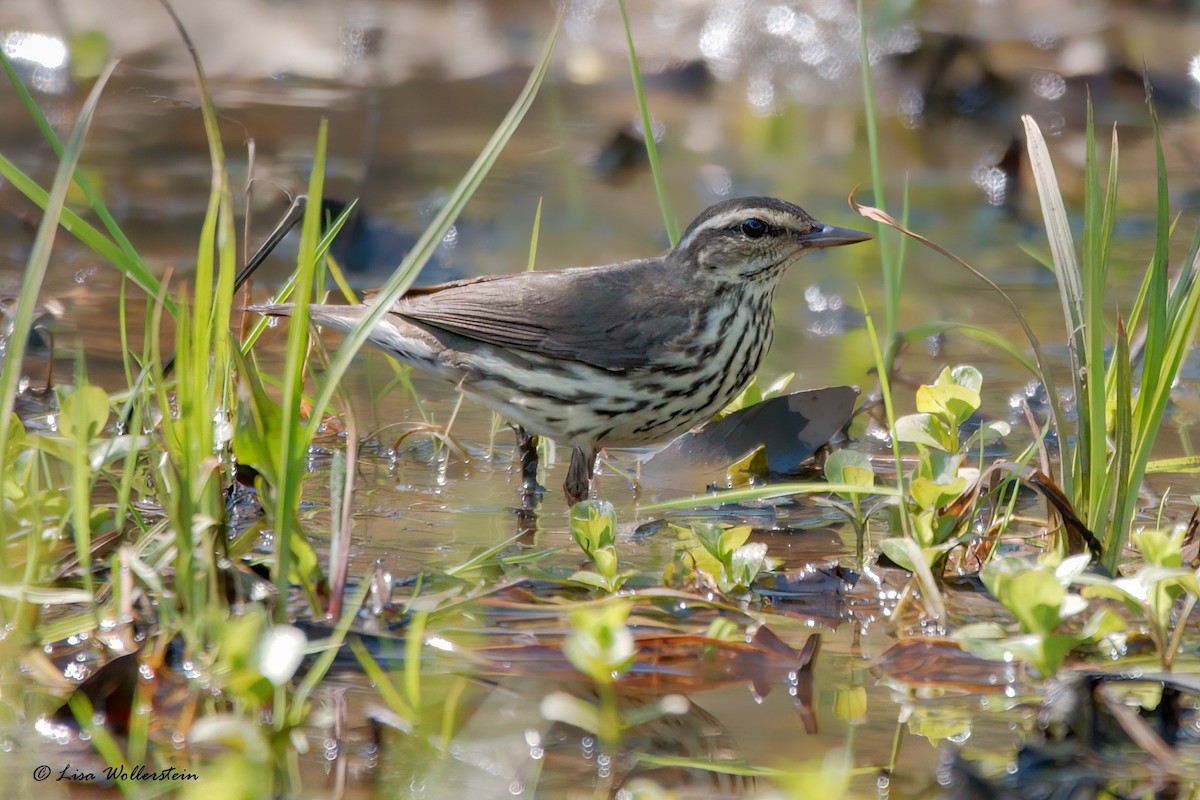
(832,236)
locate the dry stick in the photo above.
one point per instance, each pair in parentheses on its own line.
(293,215)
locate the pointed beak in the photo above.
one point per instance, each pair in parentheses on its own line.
(832,236)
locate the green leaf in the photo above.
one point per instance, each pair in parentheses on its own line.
(1159,548)
(963,375)
(730,540)
(84,413)
(925,429)
(849,467)
(563,707)
(1034,598)
(931,496)
(599,644)
(593,525)
(947,399)
(592,579)
(746,562)
(898,550)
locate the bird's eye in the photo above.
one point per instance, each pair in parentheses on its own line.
(753,228)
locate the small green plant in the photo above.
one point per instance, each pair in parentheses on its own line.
(1153,590)
(594,528)
(853,469)
(1039,596)
(938,479)
(721,554)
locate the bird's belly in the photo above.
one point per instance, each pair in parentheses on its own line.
(581,405)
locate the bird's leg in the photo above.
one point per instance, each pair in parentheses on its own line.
(579,475)
(527,444)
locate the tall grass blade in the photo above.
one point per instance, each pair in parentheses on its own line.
(1066,268)
(39,261)
(648,130)
(891,265)
(294,439)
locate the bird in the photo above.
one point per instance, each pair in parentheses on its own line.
(620,355)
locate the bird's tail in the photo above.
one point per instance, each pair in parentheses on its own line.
(391,333)
(340,317)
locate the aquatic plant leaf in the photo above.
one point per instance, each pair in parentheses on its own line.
(849,467)
(924,429)
(965,376)
(746,562)
(817,779)
(1159,548)
(593,525)
(850,704)
(1033,595)
(600,645)
(84,413)
(930,495)
(948,400)
(564,707)
(731,539)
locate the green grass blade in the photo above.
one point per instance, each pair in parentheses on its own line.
(1120,495)
(294,439)
(1066,268)
(533,237)
(1093,480)
(39,259)
(892,267)
(1154,355)
(647,128)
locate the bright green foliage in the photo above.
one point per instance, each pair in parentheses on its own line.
(853,469)
(937,478)
(722,553)
(1152,591)
(817,779)
(1105,454)
(594,528)
(1039,597)
(599,644)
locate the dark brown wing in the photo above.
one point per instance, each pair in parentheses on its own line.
(614,317)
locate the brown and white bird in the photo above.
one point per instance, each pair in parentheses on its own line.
(624,354)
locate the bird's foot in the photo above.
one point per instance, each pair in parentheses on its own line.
(579,476)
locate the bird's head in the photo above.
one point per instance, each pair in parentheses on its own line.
(752,239)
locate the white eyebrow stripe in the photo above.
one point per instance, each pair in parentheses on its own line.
(727,219)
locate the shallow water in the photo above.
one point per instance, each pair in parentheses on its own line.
(412,90)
